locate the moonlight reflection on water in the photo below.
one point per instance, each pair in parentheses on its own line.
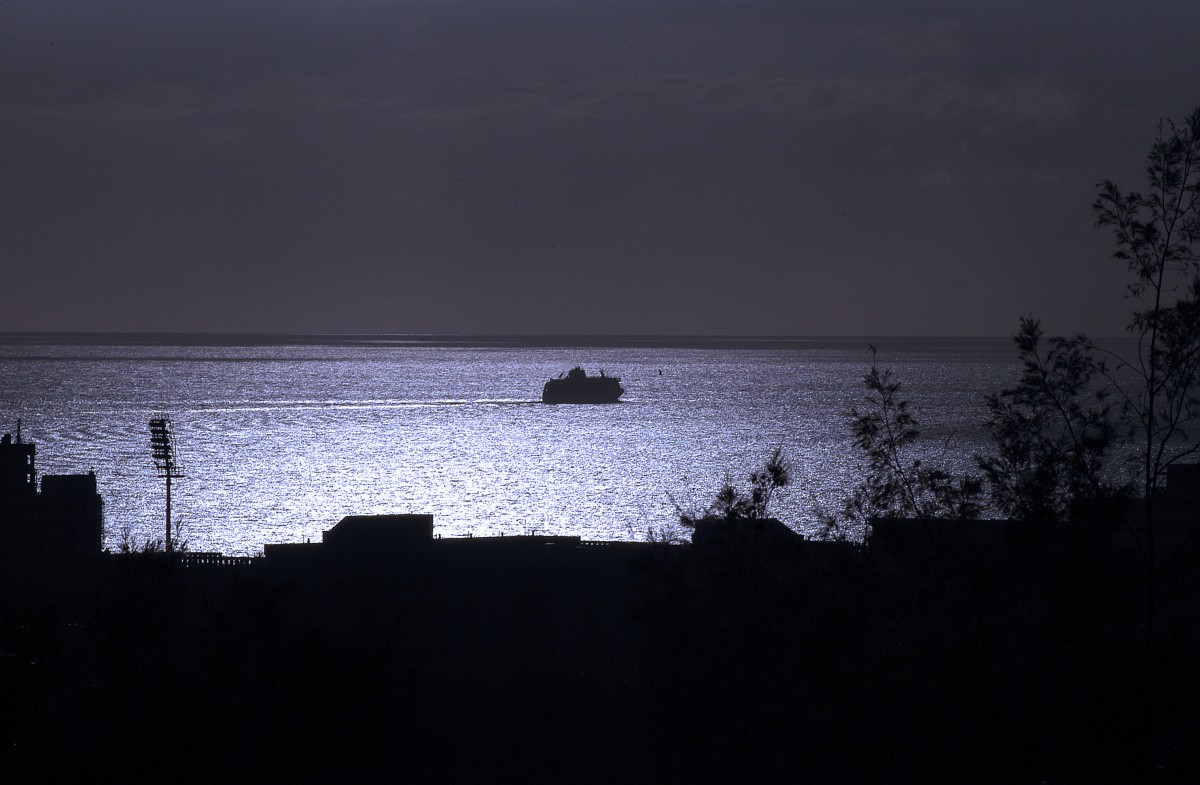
(279,442)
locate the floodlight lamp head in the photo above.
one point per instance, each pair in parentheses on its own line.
(162,447)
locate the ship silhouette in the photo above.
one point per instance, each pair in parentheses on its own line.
(575,386)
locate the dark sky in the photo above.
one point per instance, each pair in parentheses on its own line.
(566,166)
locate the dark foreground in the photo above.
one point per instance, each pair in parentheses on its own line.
(937,654)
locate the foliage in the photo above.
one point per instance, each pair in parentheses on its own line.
(897,484)
(129,543)
(1053,431)
(732,503)
(1154,235)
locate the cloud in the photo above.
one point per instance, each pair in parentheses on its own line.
(460,61)
(493,140)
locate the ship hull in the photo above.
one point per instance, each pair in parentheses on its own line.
(577,388)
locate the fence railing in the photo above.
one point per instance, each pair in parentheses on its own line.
(201,559)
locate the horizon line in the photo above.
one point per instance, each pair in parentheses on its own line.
(472,340)
(31,335)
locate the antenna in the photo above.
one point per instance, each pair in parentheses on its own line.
(162,447)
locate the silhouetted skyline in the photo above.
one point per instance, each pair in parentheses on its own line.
(543,167)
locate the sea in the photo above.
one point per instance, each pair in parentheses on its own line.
(279,437)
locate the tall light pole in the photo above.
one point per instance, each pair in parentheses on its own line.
(162,447)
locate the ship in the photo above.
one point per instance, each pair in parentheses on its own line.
(575,386)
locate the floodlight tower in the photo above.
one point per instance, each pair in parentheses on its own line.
(162,447)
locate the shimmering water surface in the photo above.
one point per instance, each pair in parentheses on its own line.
(278,442)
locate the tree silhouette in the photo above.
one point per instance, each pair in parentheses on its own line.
(899,485)
(1053,431)
(732,503)
(1155,234)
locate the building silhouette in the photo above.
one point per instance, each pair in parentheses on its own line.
(53,533)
